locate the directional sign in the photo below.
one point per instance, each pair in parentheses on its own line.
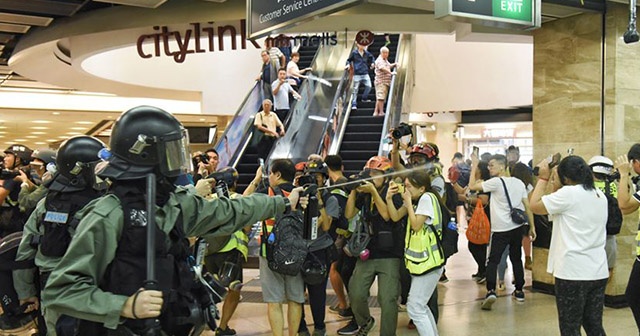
(271,16)
(514,14)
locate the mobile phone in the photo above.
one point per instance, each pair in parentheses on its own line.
(476,151)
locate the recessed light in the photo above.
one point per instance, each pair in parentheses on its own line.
(3,132)
(55,113)
(41,121)
(40,143)
(63,137)
(84,122)
(39,127)
(3,127)
(203,119)
(51,140)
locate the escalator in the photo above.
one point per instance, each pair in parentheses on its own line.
(245,157)
(361,138)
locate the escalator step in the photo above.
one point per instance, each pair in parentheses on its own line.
(360,145)
(368,136)
(366,120)
(355,155)
(363,128)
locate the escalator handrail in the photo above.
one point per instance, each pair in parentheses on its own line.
(389,108)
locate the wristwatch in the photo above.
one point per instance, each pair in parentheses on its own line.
(287,205)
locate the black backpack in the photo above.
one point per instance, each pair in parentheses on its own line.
(286,249)
(449,236)
(614,218)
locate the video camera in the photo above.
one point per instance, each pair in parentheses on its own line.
(200,158)
(306,179)
(402,130)
(223,180)
(356,180)
(6,174)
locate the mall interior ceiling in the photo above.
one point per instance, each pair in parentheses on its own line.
(19,17)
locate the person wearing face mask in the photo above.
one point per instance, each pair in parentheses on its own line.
(33,188)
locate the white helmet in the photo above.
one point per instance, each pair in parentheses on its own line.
(601,164)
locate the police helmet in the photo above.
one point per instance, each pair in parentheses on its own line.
(146,139)
(317,166)
(20,151)
(46,155)
(76,160)
(601,165)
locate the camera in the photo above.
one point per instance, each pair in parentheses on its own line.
(356,180)
(400,131)
(6,174)
(200,158)
(306,179)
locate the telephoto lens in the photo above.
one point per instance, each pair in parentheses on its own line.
(400,131)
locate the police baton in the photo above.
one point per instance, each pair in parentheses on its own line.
(152,325)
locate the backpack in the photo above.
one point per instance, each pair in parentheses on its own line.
(449,236)
(614,218)
(286,250)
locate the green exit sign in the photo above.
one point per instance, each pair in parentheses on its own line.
(513,9)
(510,14)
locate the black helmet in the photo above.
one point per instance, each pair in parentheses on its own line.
(144,139)
(75,163)
(227,174)
(46,155)
(317,166)
(21,151)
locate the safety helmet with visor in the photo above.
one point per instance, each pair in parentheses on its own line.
(601,165)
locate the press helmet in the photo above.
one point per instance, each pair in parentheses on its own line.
(20,151)
(147,139)
(317,166)
(380,163)
(601,165)
(428,149)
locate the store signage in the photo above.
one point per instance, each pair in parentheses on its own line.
(271,16)
(198,38)
(514,14)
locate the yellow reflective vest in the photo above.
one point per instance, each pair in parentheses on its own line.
(239,240)
(423,251)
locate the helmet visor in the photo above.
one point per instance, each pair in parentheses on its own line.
(175,159)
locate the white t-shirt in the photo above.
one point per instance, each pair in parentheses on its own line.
(425,207)
(499,206)
(579,233)
(281,99)
(292,68)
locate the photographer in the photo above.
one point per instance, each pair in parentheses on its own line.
(383,253)
(33,188)
(101,276)
(11,218)
(629,201)
(205,163)
(322,248)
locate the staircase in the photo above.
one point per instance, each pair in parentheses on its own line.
(248,164)
(361,139)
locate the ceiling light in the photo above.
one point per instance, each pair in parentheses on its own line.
(3,127)
(84,122)
(51,140)
(40,143)
(41,121)
(39,127)
(55,113)
(3,132)
(20,140)
(63,137)
(202,119)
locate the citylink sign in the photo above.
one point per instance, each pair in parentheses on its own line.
(272,16)
(510,14)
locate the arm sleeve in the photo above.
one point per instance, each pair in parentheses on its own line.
(257,120)
(556,202)
(491,185)
(72,287)
(425,206)
(438,185)
(24,280)
(226,216)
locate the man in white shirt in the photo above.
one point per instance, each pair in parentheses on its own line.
(268,123)
(281,89)
(504,232)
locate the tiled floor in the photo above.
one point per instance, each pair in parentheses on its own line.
(460,312)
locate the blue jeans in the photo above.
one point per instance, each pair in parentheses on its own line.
(357,79)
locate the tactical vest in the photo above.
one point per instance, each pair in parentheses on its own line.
(127,272)
(56,222)
(423,252)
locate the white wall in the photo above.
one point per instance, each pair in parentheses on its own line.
(458,76)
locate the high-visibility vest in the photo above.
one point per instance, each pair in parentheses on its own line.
(238,240)
(423,252)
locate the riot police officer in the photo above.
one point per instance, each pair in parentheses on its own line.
(49,229)
(101,276)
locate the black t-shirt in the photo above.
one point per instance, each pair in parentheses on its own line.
(387,237)
(14,189)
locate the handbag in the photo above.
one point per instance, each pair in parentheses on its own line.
(258,135)
(517,216)
(479,230)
